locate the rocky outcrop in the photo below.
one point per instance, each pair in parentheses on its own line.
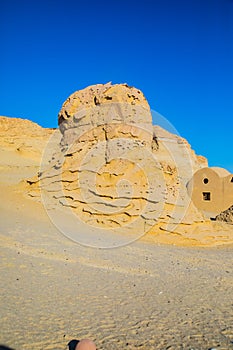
(122,103)
(226,216)
(114,169)
(104,112)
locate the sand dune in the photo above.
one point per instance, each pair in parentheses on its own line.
(138,296)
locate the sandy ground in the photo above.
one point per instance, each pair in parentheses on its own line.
(143,295)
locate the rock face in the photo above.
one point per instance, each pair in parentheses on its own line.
(124,104)
(114,169)
(103,112)
(226,216)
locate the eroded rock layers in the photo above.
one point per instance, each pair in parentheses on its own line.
(113,168)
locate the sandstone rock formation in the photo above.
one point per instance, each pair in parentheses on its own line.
(22,136)
(98,175)
(21,146)
(105,104)
(114,169)
(226,216)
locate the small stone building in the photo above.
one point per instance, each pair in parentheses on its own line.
(211,190)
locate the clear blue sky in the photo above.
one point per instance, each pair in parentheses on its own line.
(178,52)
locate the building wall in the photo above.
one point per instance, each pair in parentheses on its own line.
(211,190)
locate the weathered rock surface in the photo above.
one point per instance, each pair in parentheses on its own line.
(114,169)
(105,104)
(128,177)
(226,216)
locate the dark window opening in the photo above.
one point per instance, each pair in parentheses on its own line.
(206,180)
(206,196)
(232,179)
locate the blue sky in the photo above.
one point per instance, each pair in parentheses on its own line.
(178,52)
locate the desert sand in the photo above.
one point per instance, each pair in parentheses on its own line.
(166,290)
